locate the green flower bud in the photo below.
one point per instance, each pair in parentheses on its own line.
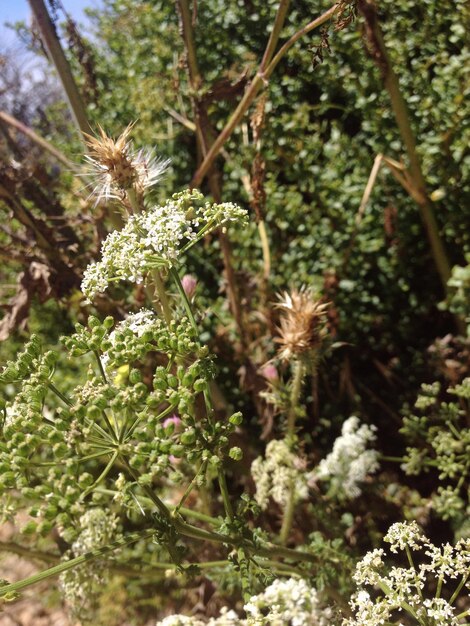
(108,322)
(135,376)
(236,453)
(177,450)
(188,437)
(29,528)
(236,419)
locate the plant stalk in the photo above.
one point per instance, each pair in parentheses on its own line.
(288,516)
(57,57)
(402,116)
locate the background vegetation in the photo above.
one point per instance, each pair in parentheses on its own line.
(339,180)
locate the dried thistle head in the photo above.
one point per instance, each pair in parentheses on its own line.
(118,168)
(302,325)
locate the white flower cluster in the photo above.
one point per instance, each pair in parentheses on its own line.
(226,618)
(349,463)
(81,585)
(278,474)
(404,590)
(138,323)
(153,239)
(97,528)
(290,601)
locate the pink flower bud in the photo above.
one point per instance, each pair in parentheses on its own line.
(171,424)
(269,371)
(189,285)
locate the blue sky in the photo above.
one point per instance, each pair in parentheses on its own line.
(16,10)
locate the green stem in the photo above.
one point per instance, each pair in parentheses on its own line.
(299,375)
(288,516)
(463,614)
(404,605)
(225,494)
(402,116)
(57,57)
(27,553)
(189,312)
(103,475)
(207,398)
(161,506)
(202,517)
(186,303)
(162,297)
(135,423)
(79,560)
(190,487)
(100,366)
(458,589)
(59,394)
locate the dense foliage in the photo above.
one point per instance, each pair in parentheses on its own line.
(267,381)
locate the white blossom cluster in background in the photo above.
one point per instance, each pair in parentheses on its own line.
(290,601)
(278,473)
(226,618)
(404,590)
(349,463)
(138,323)
(153,239)
(81,585)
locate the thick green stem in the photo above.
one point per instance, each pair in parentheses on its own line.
(79,560)
(288,517)
(225,494)
(162,297)
(299,374)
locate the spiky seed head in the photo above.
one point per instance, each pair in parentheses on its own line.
(117,167)
(113,157)
(302,325)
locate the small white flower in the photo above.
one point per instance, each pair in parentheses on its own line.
(349,463)
(405,534)
(155,238)
(277,474)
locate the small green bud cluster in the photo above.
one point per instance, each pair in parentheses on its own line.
(89,339)
(144,332)
(442,441)
(30,361)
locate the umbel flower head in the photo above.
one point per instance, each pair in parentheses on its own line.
(155,238)
(302,326)
(116,166)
